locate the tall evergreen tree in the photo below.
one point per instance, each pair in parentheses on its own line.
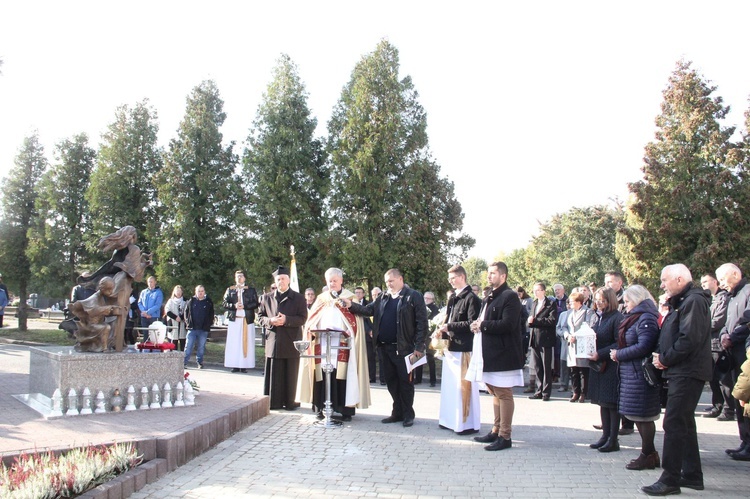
(123,189)
(391,207)
(287,182)
(199,192)
(20,193)
(57,248)
(685,209)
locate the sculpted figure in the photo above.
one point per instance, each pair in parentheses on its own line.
(97,315)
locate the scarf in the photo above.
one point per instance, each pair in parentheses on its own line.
(629,320)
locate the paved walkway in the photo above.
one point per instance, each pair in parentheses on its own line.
(285,455)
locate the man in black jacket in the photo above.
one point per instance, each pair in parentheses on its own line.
(542,322)
(399,329)
(199,317)
(684,354)
(499,352)
(459,398)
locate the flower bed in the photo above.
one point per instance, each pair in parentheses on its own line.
(46,475)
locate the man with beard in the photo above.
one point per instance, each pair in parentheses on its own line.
(497,354)
(350,387)
(282,313)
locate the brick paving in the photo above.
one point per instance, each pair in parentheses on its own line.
(285,455)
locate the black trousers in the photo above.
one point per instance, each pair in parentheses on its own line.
(543,368)
(399,382)
(280,382)
(431,364)
(579,378)
(733,405)
(371,359)
(680,456)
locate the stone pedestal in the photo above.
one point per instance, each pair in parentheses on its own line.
(62,368)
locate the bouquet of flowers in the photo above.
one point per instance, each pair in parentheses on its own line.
(193,383)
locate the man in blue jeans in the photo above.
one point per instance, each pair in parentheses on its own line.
(199,317)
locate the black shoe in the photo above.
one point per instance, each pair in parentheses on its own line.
(661,489)
(372,381)
(691,484)
(713,413)
(709,408)
(597,426)
(243,370)
(470,431)
(499,444)
(408,422)
(382,382)
(625,431)
(725,417)
(545,398)
(391,419)
(536,396)
(345,419)
(235,369)
(610,446)
(487,439)
(320,415)
(599,443)
(738,449)
(432,385)
(743,455)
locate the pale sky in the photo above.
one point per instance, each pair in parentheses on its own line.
(532,107)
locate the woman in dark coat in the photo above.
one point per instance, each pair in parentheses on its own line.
(603,382)
(639,401)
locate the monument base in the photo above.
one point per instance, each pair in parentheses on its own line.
(56,368)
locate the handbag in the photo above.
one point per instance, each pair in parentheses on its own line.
(725,362)
(651,373)
(598,365)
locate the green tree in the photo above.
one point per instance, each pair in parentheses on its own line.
(20,193)
(123,190)
(199,192)
(287,181)
(56,247)
(391,207)
(690,206)
(476,270)
(573,248)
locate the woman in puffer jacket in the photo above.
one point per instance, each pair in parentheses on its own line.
(637,338)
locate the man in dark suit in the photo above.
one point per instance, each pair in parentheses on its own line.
(399,329)
(542,322)
(282,312)
(499,352)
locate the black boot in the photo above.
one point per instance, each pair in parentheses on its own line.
(599,443)
(612,445)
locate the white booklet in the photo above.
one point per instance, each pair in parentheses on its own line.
(410,367)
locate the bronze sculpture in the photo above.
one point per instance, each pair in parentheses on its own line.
(102,316)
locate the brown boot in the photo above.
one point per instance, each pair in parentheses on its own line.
(643,462)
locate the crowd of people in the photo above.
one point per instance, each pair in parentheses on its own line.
(615,346)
